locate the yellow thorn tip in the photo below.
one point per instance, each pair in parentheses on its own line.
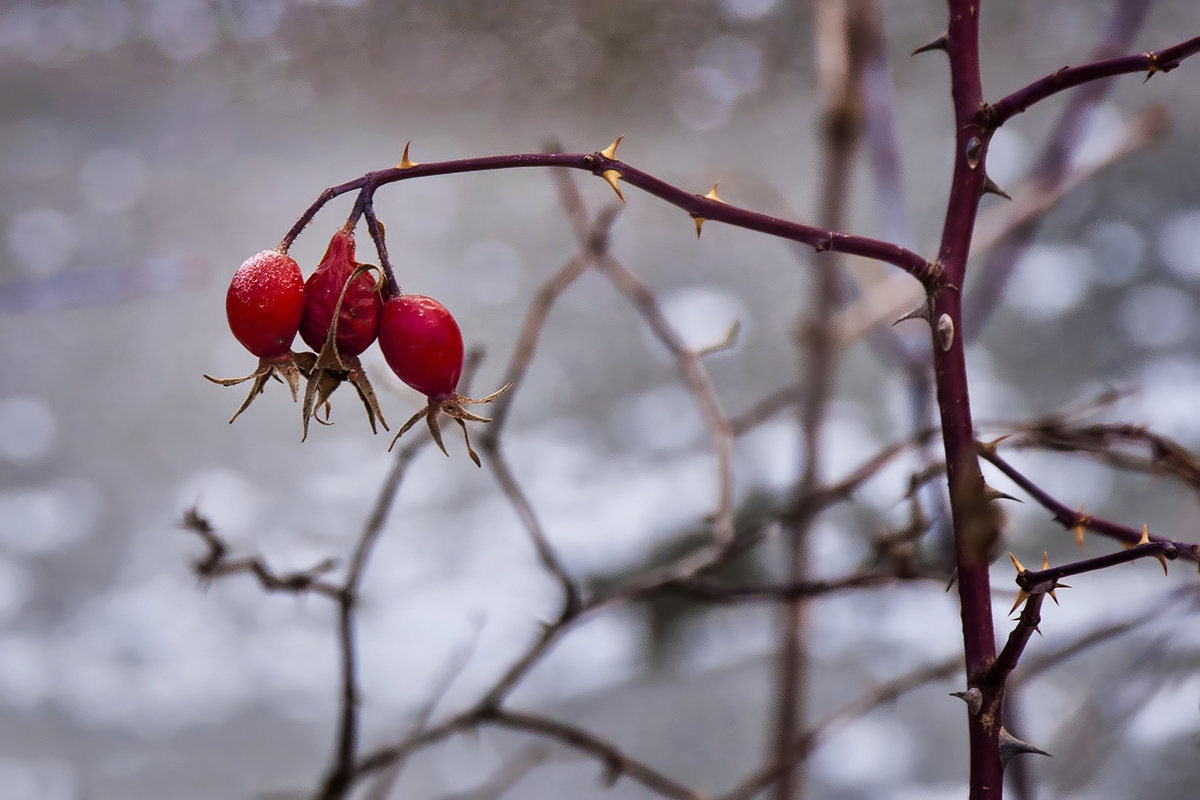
(405,161)
(1020,567)
(699,224)
(611,150)
(1021,598)
(611,175)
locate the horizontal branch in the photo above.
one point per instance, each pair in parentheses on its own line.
(1079,521)
(998,113)
(1032,580)
(696,205)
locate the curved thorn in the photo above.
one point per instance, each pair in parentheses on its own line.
(610,152)
(405,161)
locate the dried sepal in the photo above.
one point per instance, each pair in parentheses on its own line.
(284,368)
(329,369)
(455,408)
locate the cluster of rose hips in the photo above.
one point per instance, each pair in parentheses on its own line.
(338,312)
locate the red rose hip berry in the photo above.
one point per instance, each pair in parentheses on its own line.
(265,303)
(263,306)
(334,281)
(423,345)
(342,302)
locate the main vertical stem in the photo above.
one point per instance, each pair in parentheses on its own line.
(975,530)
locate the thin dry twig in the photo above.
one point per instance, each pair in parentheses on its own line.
(217,564)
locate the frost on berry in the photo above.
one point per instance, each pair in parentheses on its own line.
(341,317)
(263,306)
(423,345)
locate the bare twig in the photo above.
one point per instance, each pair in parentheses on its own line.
(217,564)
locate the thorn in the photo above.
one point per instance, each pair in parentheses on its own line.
(1082,521)
(699,224)
(610,152)
(1045,560)
(1021,598)
(939,43)
(712,194)
(989,448)
(1012,746)
(973,697)
(991,187)
(1162,560)
(1020,567)
(920,312)
(1053,597)
(992,493)
(1038,631)
(405,161)
(1145,535)
(611,175)
(1154,67)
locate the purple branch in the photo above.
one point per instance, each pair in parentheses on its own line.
(974,532)
(997,114)
(1031,617)
(1031,580)
(1077,520)
(1050,167)
(820,239)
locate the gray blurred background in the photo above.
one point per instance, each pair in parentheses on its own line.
(148,146)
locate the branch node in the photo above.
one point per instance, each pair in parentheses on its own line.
(945,332)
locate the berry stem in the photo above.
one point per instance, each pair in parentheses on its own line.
(375,228)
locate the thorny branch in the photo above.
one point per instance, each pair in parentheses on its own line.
(941,280)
